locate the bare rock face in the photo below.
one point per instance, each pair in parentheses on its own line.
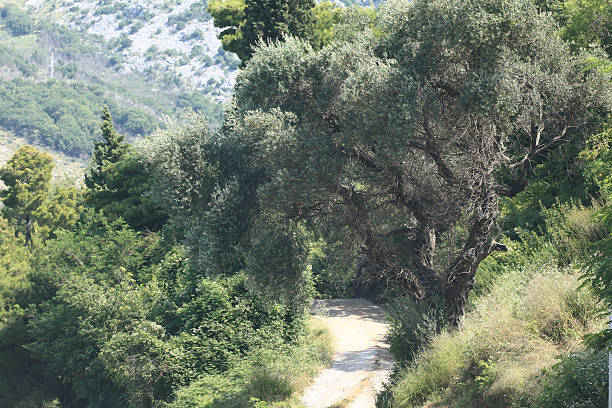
(162,38)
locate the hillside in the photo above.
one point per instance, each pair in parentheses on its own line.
(172,39)
(62,61)
(66,167)
(55,76)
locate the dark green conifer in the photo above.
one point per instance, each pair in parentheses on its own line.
(249,21)
(107,152)
(117,182)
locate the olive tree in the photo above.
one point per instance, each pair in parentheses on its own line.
(405,136)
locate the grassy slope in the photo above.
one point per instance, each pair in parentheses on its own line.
(535,315)
(514,333)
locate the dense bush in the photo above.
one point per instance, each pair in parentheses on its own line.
(412,327)
(202,104)
(16,20)
(580,380)
(107,316)
(269,374)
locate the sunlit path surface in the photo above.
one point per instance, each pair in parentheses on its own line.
(362,361)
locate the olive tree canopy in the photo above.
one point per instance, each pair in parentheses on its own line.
(404,136)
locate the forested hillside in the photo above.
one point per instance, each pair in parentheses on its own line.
(55,77)
(450,160)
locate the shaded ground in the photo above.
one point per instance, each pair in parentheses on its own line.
(362,361)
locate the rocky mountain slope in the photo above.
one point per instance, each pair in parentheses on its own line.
(173,39)
(62,61)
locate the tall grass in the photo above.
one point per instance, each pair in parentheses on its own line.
(521,342)
(495,358)
(274,375)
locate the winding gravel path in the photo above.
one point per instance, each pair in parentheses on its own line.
(362,361)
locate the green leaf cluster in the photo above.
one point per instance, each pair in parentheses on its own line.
(247,22)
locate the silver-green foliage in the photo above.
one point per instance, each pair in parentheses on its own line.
(404,131)
(208,185)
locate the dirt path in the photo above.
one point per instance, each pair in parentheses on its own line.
(362,361)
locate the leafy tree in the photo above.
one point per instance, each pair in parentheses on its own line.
(408,138)
(14,266)
(229,15)
(61,209)
(20,378)
(584,23)
(326,16)
(28,178)
(59,339)
(117,182)
(598,164)
(203,183)
(559,178)
(107,251)
(245,22)
(588,23)
(100,340)
(131,198)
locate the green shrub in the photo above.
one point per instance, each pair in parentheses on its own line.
(16,20)
(269,378)
(572,228)
(137,26)
(579,381)
(412,326)
(210,391)
(271,373)
(123,42)
(528,251)
(276,374)
(433,371)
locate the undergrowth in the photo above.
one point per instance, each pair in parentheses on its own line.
(497,355)
(521,342)
(272,376)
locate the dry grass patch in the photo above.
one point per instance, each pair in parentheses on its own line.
(496,356)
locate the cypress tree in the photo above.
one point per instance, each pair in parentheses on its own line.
(107,152)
